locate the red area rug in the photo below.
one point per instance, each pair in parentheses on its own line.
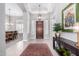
(37,50)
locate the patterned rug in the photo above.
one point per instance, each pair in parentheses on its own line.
(35,49)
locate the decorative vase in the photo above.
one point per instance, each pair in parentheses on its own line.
(57,34)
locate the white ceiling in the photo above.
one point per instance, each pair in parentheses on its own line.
(15,10)
(45,9)
(34,7)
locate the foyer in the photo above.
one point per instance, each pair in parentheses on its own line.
(35,26)
(27,29)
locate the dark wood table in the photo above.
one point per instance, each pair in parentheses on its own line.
(10,35)
(67,44)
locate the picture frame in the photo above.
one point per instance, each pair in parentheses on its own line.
(70,17)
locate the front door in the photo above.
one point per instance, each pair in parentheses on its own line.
(39,30)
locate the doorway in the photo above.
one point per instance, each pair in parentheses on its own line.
(39,29)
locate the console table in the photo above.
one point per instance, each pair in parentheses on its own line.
(67,44)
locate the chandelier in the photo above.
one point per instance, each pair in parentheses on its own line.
(9,21)
(9,16)
(39,14)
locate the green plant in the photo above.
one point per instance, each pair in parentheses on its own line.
(57,27)
(63,52)
(67,53)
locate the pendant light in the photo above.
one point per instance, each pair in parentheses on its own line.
(9,25)
(39,15)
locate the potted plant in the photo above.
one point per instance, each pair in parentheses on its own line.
(57,28)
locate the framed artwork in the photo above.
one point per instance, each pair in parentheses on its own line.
(70,17)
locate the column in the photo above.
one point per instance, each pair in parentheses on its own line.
(49,26)
(30,28)
(25,24)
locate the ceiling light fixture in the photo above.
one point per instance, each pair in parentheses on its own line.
(9,15)
(9,23)
(39,15)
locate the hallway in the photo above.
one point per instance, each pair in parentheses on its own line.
(55,25)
